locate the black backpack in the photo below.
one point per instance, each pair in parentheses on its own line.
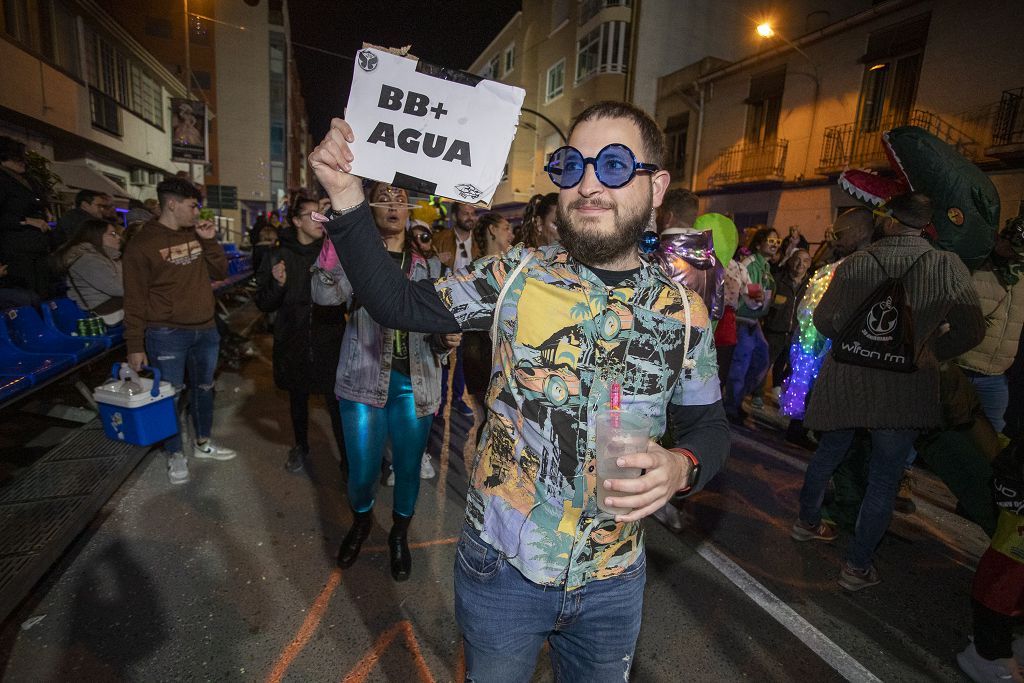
(880,334)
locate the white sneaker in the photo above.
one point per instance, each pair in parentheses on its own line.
(981,670)
(670,516)
(211,451)
(426,468)
(391,478)
(177,468)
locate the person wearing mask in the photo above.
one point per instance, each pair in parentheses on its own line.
(307,336)
(781,321)
(92,261)
(893,406)
(88,204)
(582,312)
(24,232)
(750,357)
(388,383)
(687,255)
(539,228)
(169,310)
(457,249)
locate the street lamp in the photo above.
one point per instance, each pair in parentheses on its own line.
(765,30)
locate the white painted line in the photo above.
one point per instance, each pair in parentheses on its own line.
(835,656)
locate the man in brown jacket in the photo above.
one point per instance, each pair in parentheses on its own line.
(893,406)
(169,310)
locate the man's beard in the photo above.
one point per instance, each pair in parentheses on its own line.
(593,248)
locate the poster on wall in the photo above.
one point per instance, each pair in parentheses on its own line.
(429,129)
(188,130)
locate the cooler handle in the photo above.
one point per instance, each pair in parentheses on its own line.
(156,380)
(121,369)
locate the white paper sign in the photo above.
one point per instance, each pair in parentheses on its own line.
(428,134)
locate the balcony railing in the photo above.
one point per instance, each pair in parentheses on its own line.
(853,145)
(1008,128)
(751,163)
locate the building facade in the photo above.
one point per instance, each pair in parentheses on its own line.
(569,54)
(81,91)
(776,127)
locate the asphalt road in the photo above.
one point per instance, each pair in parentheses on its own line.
(232,576)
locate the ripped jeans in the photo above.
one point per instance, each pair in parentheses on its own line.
(172,350)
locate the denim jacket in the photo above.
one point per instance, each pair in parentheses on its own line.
(364,367)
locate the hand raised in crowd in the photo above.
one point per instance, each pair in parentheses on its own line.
(279,272)
(137,360)
(666,473)
(206,229)
(37,223)
(331,161)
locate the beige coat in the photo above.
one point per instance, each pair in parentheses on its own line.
(1003,309)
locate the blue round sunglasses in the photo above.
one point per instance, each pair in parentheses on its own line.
(615,166)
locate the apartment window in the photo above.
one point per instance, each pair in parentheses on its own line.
(58,33)
(555,81)
(590,8)
(510,57)
(676,132)
(277,141)
(147,97)
(277,59)
(892,66)
(493,66)
(764,106)
(106,115)
(559,13)
(603,50)
(158,27)
(16,20)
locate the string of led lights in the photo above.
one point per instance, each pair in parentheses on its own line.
(809,348)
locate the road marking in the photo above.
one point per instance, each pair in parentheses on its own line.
(306,631)
(835,656)
(361,671)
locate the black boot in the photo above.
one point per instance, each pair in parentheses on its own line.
(349,551)
(398,544)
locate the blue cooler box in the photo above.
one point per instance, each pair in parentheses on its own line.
(142,418)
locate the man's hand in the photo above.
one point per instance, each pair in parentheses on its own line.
(279,272)
(452,339)
(667,472)
(137,360)
(206,229)
(331,161)
(37,223)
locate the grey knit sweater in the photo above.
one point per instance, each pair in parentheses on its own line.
(938,290)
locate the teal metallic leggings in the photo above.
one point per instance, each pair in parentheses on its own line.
(367,428)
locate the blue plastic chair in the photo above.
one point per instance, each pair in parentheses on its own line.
(50,320)
(35,366)
(29,333)
(12,386)
(66,314)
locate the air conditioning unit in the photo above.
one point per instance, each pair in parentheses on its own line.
(139,176)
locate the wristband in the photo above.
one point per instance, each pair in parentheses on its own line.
(691,481)
(330,214)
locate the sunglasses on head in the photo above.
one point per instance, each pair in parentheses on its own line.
(615,166)
(422,235)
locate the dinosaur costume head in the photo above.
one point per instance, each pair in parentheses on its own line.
(966,205)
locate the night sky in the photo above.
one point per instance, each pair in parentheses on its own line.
(451,34)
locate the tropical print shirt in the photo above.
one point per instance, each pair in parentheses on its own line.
(563,338)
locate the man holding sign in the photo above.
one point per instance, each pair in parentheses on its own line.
(583,329)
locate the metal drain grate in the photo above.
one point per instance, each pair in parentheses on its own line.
(43,510)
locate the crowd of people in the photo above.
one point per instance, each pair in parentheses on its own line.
(548,320)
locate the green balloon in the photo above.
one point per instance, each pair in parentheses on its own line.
(724,233)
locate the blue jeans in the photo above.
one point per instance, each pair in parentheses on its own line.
(994,394)
(889,449)
(172,351)
(749,365)
(505,620)
(366,428)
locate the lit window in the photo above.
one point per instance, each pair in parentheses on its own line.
(555,81)
(603,50)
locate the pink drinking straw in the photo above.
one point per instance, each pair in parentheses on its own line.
(616,402)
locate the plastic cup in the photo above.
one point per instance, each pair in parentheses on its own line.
(753,290)
(618,433)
